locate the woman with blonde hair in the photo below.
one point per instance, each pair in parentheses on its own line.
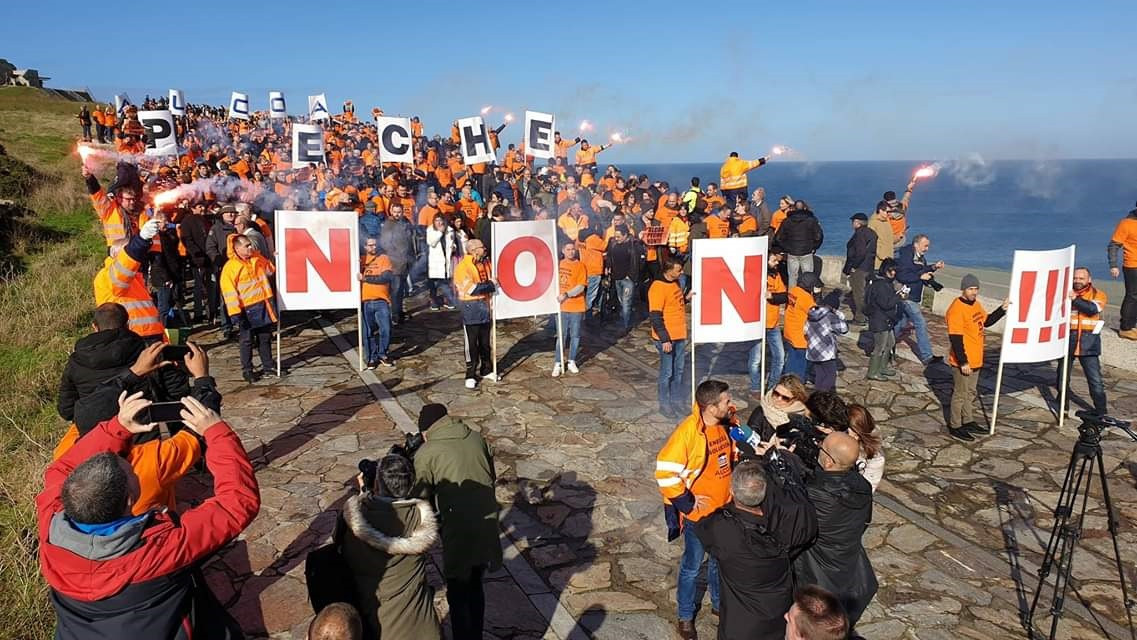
(863,428)
(784,399)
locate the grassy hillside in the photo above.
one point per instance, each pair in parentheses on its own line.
(50,249)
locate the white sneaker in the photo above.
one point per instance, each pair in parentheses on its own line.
(572,367)
(492,377)
(471,383)
(557,370)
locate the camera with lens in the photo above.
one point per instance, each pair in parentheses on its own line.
(409,447)
(804,437)
(934,284)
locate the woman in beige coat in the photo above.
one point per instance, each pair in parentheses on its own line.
(385,544)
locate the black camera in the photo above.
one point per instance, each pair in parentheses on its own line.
(936,286)
(805,438)
(410,446)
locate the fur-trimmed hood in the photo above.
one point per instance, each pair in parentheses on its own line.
(416,542)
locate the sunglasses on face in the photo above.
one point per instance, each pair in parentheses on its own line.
(781,396)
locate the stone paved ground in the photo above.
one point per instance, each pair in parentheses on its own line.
(958,527)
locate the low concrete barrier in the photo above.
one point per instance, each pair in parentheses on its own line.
(1116,351)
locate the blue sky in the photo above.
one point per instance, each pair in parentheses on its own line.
(686,81)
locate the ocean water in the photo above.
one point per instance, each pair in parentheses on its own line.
(975,213)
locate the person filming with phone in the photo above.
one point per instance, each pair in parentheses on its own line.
(157,462)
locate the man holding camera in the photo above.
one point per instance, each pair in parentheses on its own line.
(454,468)
(754,539)
(914,272)
(842,499)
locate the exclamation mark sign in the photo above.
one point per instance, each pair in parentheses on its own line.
(1051,292)
(1026,293)
(1065,289)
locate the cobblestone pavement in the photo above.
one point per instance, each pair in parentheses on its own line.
(958,529)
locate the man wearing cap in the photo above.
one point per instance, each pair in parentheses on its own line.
(800,300)
(860,254)
(966,321)
(472,280)
(454,469)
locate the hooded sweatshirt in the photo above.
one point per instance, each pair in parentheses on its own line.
(96,359)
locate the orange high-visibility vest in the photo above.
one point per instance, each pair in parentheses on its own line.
(121,281)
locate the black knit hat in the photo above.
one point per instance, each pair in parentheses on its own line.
(429,415)
(126,177)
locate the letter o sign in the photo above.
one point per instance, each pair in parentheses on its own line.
(544,267)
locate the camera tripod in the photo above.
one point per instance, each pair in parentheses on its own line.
(1067,530)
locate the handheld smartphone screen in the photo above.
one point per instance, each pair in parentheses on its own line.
(175,352)
(161,412)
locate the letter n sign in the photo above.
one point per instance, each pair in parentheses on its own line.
(318,260)
(729,281)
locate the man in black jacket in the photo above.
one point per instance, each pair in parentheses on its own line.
(217,249)
(754,539)
(799,236)
(98,357)
(914,272)
(882,306)
(623,258)
(842,499)
(860,256)
(194,231)
(165,274)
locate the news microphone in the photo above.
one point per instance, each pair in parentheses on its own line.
(743,433)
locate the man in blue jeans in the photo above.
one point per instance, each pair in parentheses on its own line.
(693,471)
(623,260)
(775,297)
(914,272)
(667,312)
(376,276)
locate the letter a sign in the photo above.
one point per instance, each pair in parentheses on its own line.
(317,260)
(729,280)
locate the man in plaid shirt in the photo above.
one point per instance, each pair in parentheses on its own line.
(823,324)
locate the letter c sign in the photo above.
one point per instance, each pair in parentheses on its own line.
(543,268)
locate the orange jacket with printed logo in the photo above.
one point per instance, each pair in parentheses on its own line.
(695,462)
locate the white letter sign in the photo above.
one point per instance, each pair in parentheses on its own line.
(729,280)
(239,106)
(276,106)
(307,144)
(177,102)
(317,259)
(539,129)
(1039,316)
(395,140)
(318,107)
(161,136)
(476,146)
(525,262)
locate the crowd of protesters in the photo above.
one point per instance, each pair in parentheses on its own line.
(782,499)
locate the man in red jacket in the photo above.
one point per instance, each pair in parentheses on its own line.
(116,575)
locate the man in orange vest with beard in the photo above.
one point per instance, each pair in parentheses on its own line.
(1086,305)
